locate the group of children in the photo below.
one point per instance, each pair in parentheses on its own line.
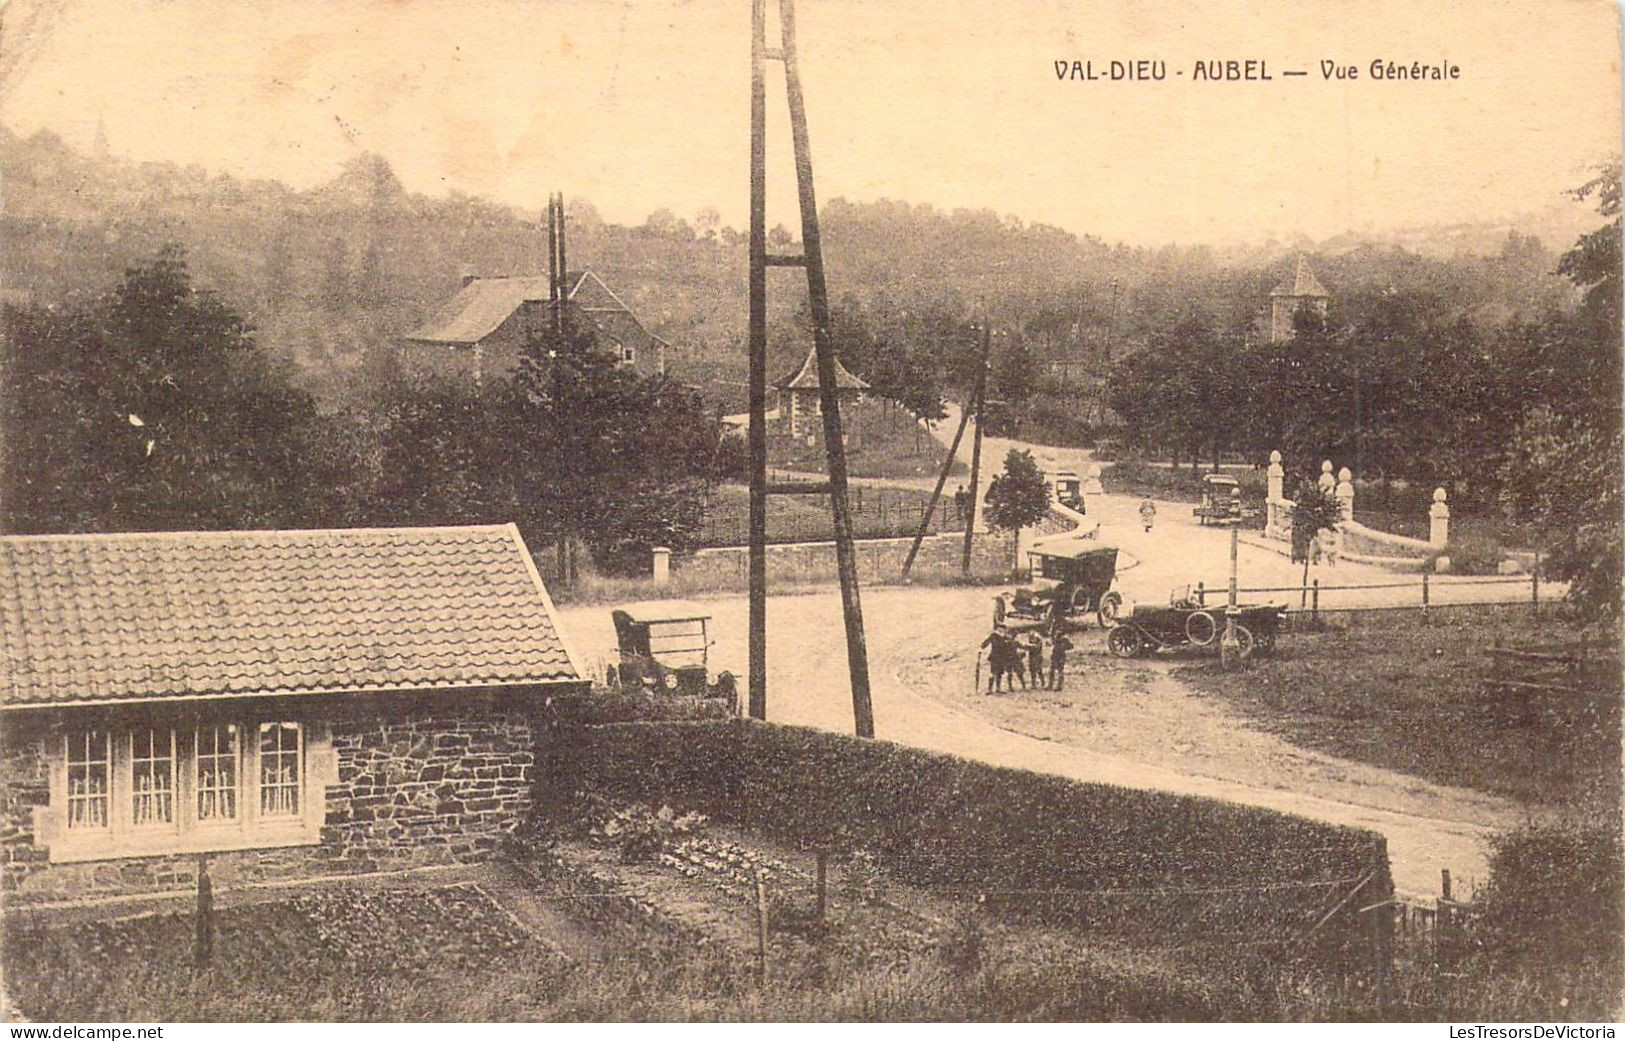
(1012,656)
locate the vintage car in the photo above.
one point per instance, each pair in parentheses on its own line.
(1068,490)
(664,644)
(1221,500)
(1185,623)
(1079,574)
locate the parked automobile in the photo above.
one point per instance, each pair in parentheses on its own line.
(665,645)
(1221,500)
(1078,581)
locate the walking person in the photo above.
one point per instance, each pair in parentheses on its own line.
(1148,512)
(1057,659)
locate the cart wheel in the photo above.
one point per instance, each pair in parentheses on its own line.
(1245,644)
(1200,628)
(727,687)
(1123,641)
(1080,600)
(612,677)
(1110,606)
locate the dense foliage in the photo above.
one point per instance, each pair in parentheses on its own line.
(154,408)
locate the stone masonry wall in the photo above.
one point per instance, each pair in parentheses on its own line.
(421,780)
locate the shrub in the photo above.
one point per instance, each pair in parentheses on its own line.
(1472,555)
(1126,861)
(640,834)
(1554,896)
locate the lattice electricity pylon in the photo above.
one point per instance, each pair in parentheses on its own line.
(811,259)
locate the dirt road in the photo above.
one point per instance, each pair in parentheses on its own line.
(1120,723)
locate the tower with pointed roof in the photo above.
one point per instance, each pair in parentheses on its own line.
(799,404)
(1304,290)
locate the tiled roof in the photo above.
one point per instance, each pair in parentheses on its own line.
(480,308)
(807,375)
(1304,283)
(92,618)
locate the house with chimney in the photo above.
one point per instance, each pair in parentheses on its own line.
(483,330)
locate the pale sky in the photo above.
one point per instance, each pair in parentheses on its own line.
(638,105)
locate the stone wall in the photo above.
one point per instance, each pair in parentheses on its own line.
(420,780)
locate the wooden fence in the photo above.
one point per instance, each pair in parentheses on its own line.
(1309,602)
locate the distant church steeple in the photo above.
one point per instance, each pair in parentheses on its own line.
(1304,290)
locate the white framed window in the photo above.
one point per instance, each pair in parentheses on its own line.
(206,784)
(89,757)
(218,770)
(629,355)
(281,752)
(152,778)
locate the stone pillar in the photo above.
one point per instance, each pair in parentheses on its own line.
(1345,493)
(1326,482)
(1439,520)
(662,565)
(1273,498)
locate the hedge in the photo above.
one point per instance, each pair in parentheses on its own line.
(1118,860)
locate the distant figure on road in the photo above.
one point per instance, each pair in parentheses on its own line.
(962,501)
(1148,512)
(1035,657)
(1057,659)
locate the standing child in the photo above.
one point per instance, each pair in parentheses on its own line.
(997,657)
(1057,659)
(1035,657)
(1148,512)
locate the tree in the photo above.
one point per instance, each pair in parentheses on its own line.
(1017,498)
(1563,470)
(604,455)
(153,408)
(1314,510)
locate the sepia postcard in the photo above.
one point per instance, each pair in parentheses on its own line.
(754,510)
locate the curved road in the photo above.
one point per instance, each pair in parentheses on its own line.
(1124,723)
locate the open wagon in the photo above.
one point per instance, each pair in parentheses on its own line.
(1078,581)
(665,645)
(1146,629)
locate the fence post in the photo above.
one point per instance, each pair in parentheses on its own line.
(1534,590)
(203,948)
(1314,609)
(761,930)
(1424,597)
(1201,595)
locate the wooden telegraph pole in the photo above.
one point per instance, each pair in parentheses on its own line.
(979,402)
(812,260)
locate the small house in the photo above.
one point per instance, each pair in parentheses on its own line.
(800,406)
(290,702)
(483,330)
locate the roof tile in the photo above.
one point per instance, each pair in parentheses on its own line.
(194,614)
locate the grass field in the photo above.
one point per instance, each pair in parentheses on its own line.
(882,441)
(1411,697)
(876,513)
